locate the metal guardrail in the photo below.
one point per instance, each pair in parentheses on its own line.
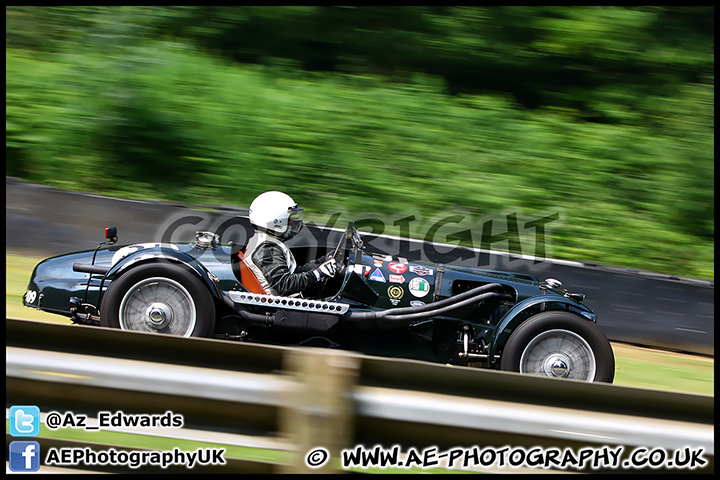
(294,400)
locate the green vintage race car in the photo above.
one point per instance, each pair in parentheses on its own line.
(376,304)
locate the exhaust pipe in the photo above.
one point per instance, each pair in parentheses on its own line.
(470,297)
(474,295)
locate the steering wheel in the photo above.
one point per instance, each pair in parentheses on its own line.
(355,235)
(339,253)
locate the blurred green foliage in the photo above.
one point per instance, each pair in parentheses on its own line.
(605,114)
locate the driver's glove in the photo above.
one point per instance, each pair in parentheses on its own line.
(326,270)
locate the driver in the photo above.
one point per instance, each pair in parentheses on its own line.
(276,218)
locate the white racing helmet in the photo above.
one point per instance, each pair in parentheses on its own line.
(276,213)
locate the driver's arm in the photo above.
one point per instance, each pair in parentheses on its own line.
(273,264)
(311,265)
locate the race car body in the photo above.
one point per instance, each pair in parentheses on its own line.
(376,304)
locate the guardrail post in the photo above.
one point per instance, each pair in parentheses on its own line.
(317,418)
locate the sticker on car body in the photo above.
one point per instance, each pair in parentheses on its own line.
(377,276)
(395,293)
(419,287)
(421,270)
(397,267)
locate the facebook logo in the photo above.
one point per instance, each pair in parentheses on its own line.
(24,456)
(24,421)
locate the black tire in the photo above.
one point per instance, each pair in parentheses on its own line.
(559,344)
(159,298)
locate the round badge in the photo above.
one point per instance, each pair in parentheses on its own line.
(397,267)
(395,292)
(419,287)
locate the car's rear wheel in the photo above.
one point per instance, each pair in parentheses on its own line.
(562,345)
(159,298)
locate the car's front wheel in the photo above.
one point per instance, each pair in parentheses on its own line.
(559,344)
(159,298)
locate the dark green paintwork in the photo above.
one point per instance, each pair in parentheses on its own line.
(436,339)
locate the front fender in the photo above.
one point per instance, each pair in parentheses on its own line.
(161,253)
(528,307)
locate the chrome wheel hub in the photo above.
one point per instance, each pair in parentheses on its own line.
(158,315)
(556,365)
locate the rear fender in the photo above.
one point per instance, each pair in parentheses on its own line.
(162,253)
(528,307)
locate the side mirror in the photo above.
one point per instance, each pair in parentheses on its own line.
(111,235)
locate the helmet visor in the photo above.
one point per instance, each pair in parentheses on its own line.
(295,221)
